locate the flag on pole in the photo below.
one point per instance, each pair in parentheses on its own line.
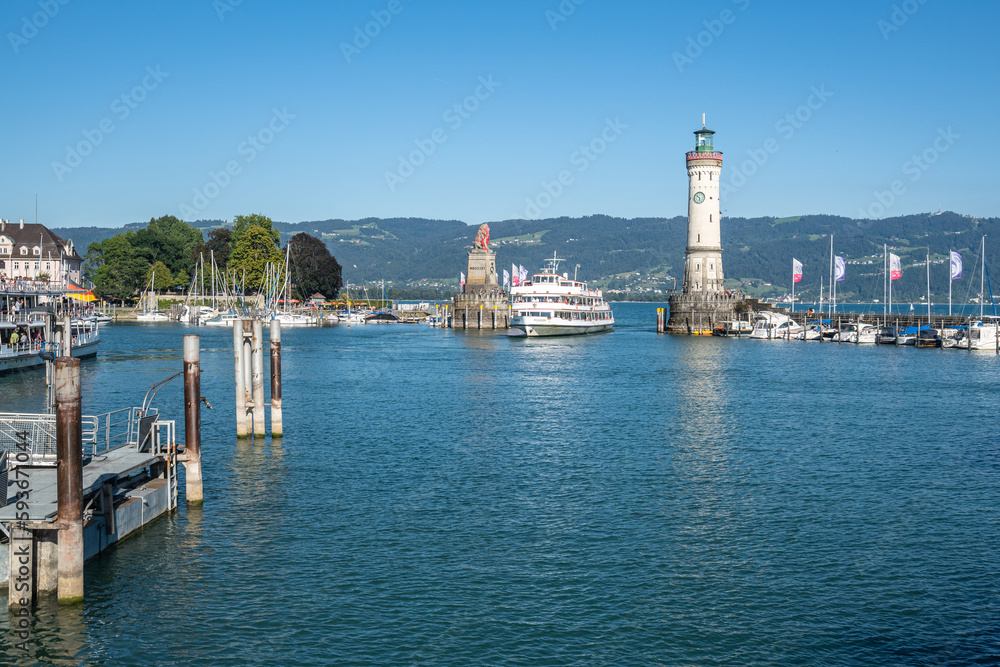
(895,267)
(840,269)
(956,265)
(523,272)
(462,277)
(506,277)
(796,271)
(515,276)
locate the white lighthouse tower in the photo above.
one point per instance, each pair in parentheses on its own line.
(703,256)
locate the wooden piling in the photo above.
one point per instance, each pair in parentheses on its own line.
(242,427)
(275,379)
(69,476)
(192,420)
(257,374)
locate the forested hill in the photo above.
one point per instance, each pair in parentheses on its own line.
(611,251)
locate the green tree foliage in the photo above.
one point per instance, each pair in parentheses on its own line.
(251,254)
(242,223)
(313,269)
(218,245)
(170,241)
(160,275)
(115,268)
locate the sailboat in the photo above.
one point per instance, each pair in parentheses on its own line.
(148,302)
(984,334)
(282,313)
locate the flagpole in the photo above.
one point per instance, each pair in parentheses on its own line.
(833,285)
(949,282)
(793,285)
(885,273)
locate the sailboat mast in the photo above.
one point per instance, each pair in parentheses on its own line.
(982,277)
(927,263)
(885,275)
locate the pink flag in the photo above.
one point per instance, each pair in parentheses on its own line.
(462,275)
(796,271)
(895,267)
(515,276)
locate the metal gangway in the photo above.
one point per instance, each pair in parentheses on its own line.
(29,440)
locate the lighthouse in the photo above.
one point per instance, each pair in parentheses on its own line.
(703,255)
(702,303)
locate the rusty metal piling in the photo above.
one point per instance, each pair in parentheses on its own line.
(275,379)
(69,475)
(192,419)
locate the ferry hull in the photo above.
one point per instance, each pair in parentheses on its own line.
(556,330)
(29,360)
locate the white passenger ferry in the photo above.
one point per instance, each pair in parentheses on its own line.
(554,305)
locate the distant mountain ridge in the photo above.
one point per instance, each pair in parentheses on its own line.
(611,251)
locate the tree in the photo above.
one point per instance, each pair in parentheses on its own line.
(242,223)
(160,275)
(168,240)
(313,269)
(115,268)
(251,254)
(181,279)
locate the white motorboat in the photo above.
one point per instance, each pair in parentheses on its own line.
(771,325)
(152,316)
(222,320)
(857,332)
(981,335)
(290,319)
(550,304)
(811,332)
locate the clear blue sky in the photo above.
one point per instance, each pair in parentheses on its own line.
(223,68)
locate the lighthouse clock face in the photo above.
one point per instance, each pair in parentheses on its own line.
(699,197)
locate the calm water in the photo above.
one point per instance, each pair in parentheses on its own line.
(631,499)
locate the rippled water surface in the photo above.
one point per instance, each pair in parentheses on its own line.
(627,498)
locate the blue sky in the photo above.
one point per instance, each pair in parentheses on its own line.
(217,108)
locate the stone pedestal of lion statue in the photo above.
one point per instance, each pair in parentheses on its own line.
(483,303)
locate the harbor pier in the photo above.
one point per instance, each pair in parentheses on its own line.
(77,484)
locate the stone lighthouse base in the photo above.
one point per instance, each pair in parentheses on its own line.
(700,313)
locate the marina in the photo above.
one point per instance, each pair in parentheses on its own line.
(658,493)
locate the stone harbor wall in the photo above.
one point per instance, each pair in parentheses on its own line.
(488,309)
(699,313)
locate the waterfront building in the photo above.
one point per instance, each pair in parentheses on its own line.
(30,252)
